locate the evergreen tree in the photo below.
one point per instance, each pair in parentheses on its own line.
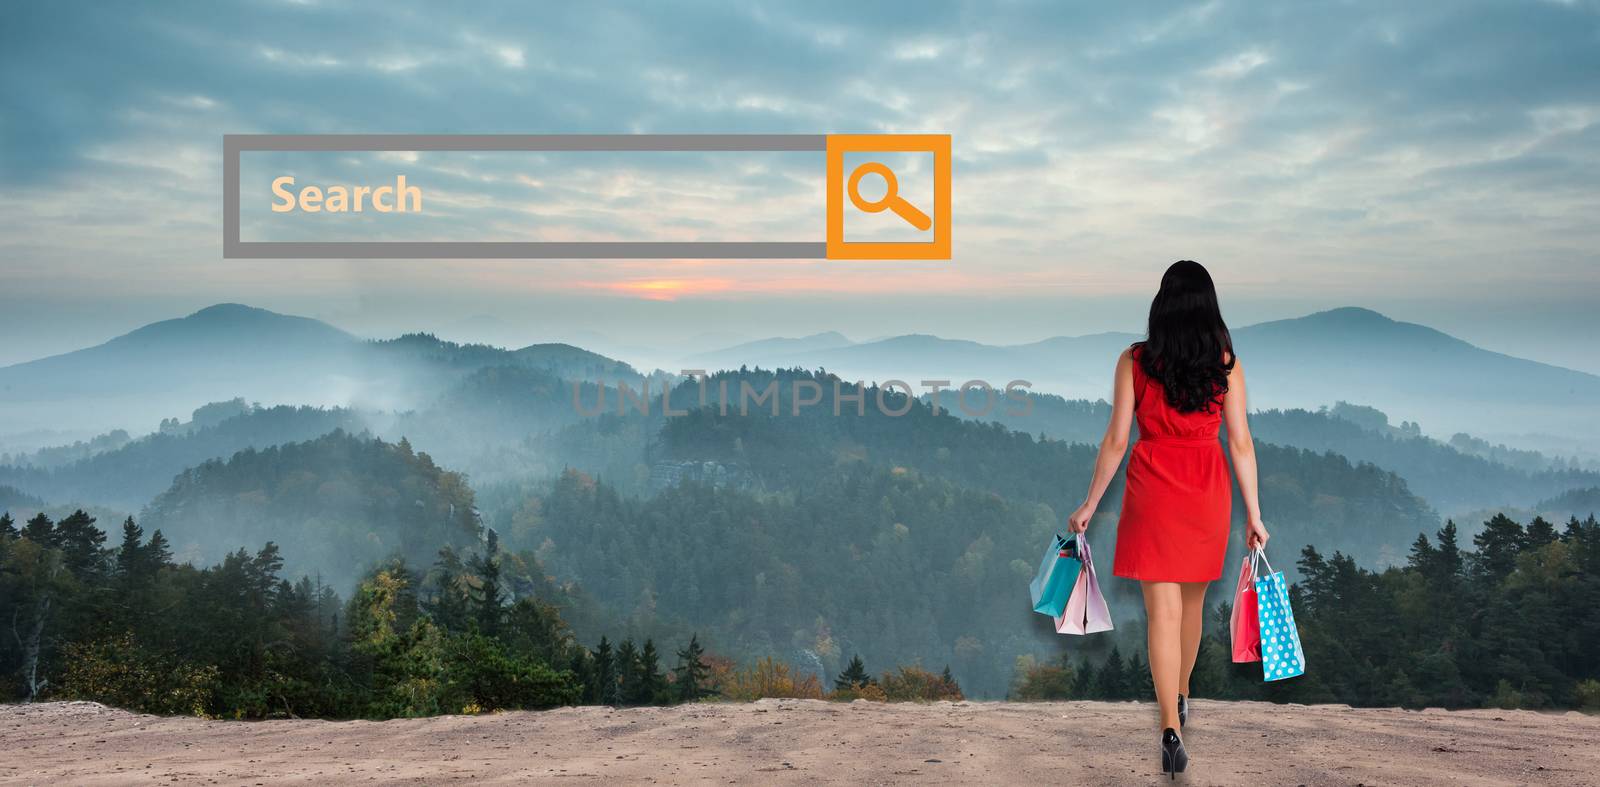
(448,604)
(854,675)
(691,672)
(951,688)
(157,553)
(1423,556)
(651,684)
(40,530)
(8,526)
(1540,533)
(1141,685)
(1497,547)
(1449,550)
(130,554)
(627,673)
(1085,681)
(80,542)
(606,690)
(1111,682)
(491,601)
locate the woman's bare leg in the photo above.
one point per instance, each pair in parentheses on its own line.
(1194,611)
(1163,606)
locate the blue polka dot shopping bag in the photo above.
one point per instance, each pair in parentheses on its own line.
(1281,655)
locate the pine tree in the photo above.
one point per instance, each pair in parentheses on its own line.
(1449,550)
(80,543)
(1111,683)
(1083,685)
(449,604)
(854,676)
(1141,686)
(157,554)
(691,672)
(8,526)
(491,601)
(581,664)
(1423,556)
(40,530)
(1498,545)
(627,672)
(130,554)
(651,683)
(1540,532)
(605,690)
(951,689)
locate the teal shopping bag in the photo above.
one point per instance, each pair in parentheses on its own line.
(1281,654)
(1052,586)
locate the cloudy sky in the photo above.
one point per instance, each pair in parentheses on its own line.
(1436,161)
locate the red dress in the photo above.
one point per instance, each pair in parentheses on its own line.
(1177,499)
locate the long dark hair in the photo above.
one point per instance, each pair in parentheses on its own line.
(1186,340)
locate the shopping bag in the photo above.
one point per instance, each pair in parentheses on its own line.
(1086,611)
(1244,627)
(1281,655)
(1053,584)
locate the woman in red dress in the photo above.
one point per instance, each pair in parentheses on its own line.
(1181,382)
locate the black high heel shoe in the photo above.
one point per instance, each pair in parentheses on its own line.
(1173,757)
(1183,710)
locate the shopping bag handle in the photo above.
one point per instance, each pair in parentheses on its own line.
(1259,554)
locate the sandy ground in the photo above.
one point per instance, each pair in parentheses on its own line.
(808,742)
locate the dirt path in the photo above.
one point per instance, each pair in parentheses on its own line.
(808,742)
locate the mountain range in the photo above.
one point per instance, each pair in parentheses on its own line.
(168,368)
(1410,371)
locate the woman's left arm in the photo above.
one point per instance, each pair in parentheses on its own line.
(1112,446)
(1243,450)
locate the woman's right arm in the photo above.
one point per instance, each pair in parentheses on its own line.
(1243,450)
(1112,447)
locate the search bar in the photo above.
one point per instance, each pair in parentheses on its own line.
(834,147)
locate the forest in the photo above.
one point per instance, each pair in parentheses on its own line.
(1510,623)
(128,626)
(363,573)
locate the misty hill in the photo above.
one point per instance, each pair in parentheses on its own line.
(1448,477)
(22,506)
(1413,372)
(480,424)
(483,423)
(768,349)
(172,366)
(337,504)
(1573,503)
(227,351)
(564,360)
(1452,480)
(130,476)
(13,499)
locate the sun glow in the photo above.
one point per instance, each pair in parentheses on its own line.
(669,289)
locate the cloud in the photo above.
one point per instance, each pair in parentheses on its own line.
(1291,144)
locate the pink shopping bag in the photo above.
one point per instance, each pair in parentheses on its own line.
(1245,627)
(1086,611)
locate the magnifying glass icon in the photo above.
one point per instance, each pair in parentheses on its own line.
(891,196)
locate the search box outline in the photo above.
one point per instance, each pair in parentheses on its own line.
(234,247)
